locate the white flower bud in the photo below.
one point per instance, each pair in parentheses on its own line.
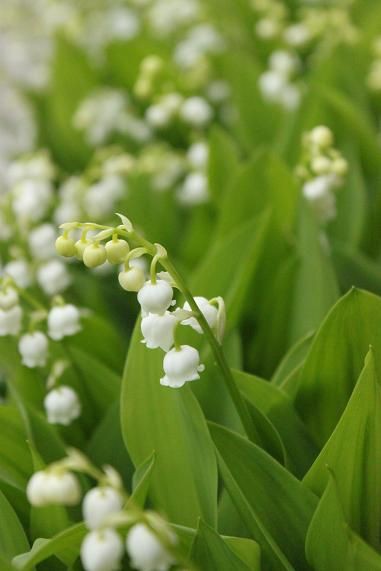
(145,550)
(196,111)
(65,246)
(321,136)
(41,241)
(101,550)
(63,321)
(19,271)
(94,255)
(321,164)
(297,35)
(132,279)
(158,116)
(267,28)
(318,192)
(99,503)
(8,298)
(208,310)
(271,84)
(53,277)
(339,166)
(158,330)
(155,298)
(181,366)
(62,405)
(33,348)
(80,247)
(46,488)
(116,251)
(10,321)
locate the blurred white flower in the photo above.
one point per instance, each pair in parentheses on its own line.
(31,199)
(8,298)
(197,154)
(101,550)
(62,405)
(194,189)
(45,488)
(10,321)
(145,550)
(41,241)
(19,271)
(101,197)
(196,111)
(33,348)
(53,277)
(63,321)
(99,503)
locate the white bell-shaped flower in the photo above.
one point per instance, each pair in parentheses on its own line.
(318,192)
(10,321)
(63,321)
(145,550)
(33,348)
(45,488)
(53,277)
(155,298)
(20,272)
(196,111)
(41,241)
(158,330)
(62,405)
(102,550)
(8,298)
(99,503)
(209,311)
(194,189)
(181,366)
(31,199)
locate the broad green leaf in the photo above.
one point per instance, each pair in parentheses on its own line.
(335,360)
(209,551)
(331,544)
(280,411)
(292,359)
(98,447)
(141,481)
(222,163)
(15,463)
(356,466)
(356,269)
(273,504)
(64,545)
(227,268)
(315,288)
(169,422)
(12,536)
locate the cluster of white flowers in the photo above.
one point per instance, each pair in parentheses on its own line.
(277,84)
(322,171)
(155,295)
(194,188)
(194,111)
(102,548)
(107,112)
(200,42)
(168,16)
(61,403)
(374,75)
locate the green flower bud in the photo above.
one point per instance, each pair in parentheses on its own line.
(65,246)
(132,279)
(116,251)
(80,247)
(94,255)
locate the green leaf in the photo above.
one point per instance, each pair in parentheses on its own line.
(15,463)
(228,267)
(273,504)
(280,411)
(336,359)
(294,357)
(64,545)
(169,422)
(356,269)
(331,544)
(315,288)
(356,467)
(222,162)
(141,481)
(12,536)
(209,551)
